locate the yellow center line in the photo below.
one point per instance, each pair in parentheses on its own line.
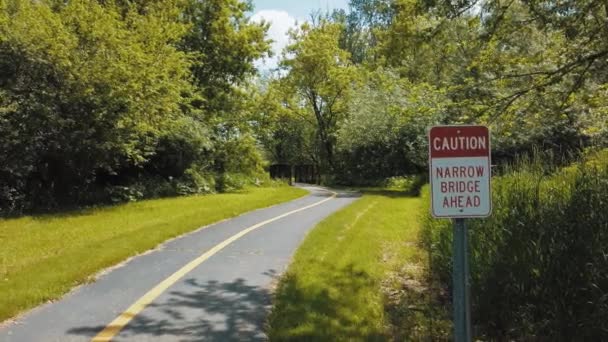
(124,318)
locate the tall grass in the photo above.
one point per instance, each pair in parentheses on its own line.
(539,264)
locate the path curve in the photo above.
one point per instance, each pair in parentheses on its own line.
(213,284)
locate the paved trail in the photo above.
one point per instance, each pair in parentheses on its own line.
(210,285)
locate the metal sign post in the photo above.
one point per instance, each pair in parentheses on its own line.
(460,283)
(459,173)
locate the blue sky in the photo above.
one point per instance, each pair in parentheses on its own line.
(299,9)
(282,15)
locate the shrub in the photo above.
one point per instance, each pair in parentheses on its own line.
(410,184)
(539,264)
(119,194)
(195,182)
(86,87)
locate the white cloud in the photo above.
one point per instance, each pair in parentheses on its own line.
(280,23)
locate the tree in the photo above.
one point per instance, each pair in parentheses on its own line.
(361,25)
(320,73)
(385,132)
(537,76)
(285,128)
(512,64)
(86,89)
(224,44)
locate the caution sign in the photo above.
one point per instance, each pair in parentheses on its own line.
(459,171)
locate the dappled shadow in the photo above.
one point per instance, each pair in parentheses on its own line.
(392,193)
(337,306)
(211,311)
(339,194)
(327,309)
(349,194)
(54,213)
(330,308)
(318,191)
(359,191)
(325,194)
(416,311)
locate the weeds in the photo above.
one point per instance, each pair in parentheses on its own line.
(539,264)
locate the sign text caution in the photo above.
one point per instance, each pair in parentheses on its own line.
(460,171)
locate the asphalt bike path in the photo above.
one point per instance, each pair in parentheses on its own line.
(213,284)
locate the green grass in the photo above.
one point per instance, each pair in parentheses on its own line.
(358,276)
(43,257)
(538,263)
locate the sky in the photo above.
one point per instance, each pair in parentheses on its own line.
(282,15)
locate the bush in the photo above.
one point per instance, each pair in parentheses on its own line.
(86,87)
(195,182)
(539,264)
(410,184)
(119,194)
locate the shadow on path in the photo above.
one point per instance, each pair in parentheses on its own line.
(211,311)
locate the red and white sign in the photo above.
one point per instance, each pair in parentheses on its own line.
(459,171)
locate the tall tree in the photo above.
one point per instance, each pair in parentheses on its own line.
(224,44)
(86,88)
(284,127)
(361,25)
(385,132)
(322,75)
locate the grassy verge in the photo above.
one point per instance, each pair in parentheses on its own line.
(539,262)
(42,257)
(359,275)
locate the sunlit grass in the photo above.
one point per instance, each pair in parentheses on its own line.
(42,257)
(339,283)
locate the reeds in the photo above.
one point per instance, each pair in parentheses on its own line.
(539,264)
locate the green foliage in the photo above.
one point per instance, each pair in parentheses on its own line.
(187,141)
(104,101)
(320,75)
(195,182)
(224,44)
(361,25)
(385,133)
(408,184)
(284,127)
(87,87)
(538,265)
(119,194)
(534,71)
(239,161)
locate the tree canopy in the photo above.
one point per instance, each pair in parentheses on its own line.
(534,71)
(97,96)
(118,100)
